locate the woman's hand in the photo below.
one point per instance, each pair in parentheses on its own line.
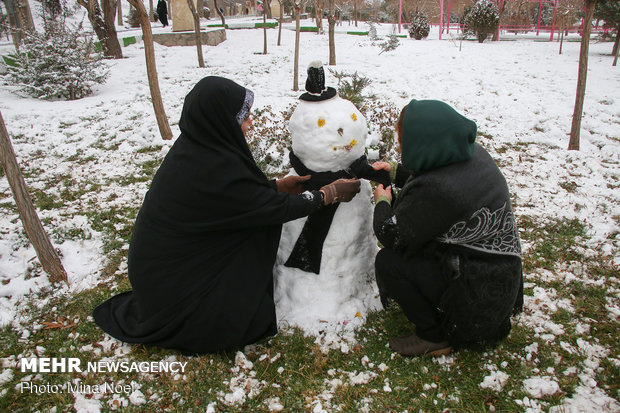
(381,191)
(377,166)
(292,184)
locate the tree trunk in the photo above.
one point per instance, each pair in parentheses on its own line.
(194,12)
(280,21)
(200,5)
(573,144)
(32,225)
(264,32)
(20,19)
(355,11)
(109,14)
(119,13)
(331,20)
(616,46)
(151,70)
(296,60)
(219,12)
(106,32)
(267,9)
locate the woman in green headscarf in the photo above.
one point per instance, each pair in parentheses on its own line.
(451,256)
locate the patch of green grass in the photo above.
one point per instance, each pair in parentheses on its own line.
(150,149)
(554,241)
(116,223)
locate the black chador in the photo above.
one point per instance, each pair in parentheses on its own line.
(205,241)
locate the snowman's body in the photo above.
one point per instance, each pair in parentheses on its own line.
(328,136)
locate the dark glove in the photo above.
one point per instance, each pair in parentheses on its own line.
(342,190)
(292,184)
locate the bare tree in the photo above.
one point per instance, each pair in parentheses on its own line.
(104,26)
(151,70)
(280,21)
(264,30)
(219,12)
(20,19)
(194,12)
(32,224)
(566,14)
(319,5)
(331,21)
(119,13)
(573,144)
(297,8)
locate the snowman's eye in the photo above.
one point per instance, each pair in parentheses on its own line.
(340,131)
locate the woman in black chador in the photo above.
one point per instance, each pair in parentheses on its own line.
(205,240)
(162,12)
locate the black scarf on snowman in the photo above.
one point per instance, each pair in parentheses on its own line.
(307,253)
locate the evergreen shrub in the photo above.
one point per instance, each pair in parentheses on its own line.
(60,63)
(482,19)
(419,28)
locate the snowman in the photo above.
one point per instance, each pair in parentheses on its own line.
(324,272)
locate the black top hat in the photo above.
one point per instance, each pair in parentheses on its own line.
(315,84)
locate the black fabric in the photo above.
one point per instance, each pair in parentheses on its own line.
(328,93)
(206,238)
(308,249)
(315,85)
(417,284)
(485,288)
(162,12)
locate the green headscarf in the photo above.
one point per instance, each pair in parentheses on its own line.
(434,134)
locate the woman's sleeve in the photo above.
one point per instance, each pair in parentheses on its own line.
(385,226)
(399,174)
(304,204)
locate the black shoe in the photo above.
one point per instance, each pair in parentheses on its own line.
(412,345)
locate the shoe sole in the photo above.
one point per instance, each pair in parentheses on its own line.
(440,352)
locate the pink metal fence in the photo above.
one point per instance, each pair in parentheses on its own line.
(539,27)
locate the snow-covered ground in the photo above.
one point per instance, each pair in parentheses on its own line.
(521,94)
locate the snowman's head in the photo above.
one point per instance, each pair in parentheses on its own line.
(328,135)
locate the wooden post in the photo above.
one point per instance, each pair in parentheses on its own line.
(151,70)
(32,225)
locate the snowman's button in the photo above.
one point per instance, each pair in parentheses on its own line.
(321,122)
(354,117)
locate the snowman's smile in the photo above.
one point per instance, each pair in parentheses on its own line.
(346,147)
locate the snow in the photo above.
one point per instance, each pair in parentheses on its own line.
(328,135)
(539,387)
(495,381)
(520,93)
